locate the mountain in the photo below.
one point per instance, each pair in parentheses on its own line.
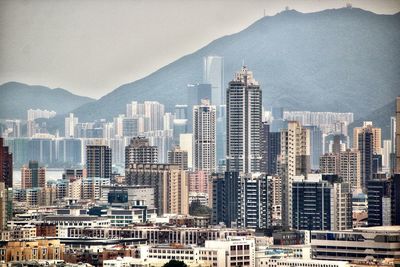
(380,117)
(17,98)
(343,60)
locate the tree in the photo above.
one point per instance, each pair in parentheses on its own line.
(175,263)
(196,209)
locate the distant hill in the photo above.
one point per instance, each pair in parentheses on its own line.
(343,60)
(17,98)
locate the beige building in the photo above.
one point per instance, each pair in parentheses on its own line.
(329,163)
(350,168)
(18,251)
(294,161)
(376,132)
(171,187)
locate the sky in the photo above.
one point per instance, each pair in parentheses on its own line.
(91,47)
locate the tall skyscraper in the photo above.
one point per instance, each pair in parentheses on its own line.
(98,161)
(213,73)
(397,170)
(33,176)
(376,136)
(70,123)
(244,114)
(140,151)
(204,137)
(379,202)
(365,144)
(6,165)
(294,161)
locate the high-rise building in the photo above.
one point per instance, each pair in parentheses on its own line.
(140,151)
(221,133)
(178,156)
(376,135)
(379,202)
(365,144)
(213,73)
(186,143)
(244,114)
(254,202)
(315,145)
(329,163)
(6,165)
(154,111)
(70,123)
(276,199)
(33,176)
(350,168)
(225,199)
(204,137)
(294,161)
(170,185)
(198,182)
(274,150)
(265,159)
(98,161)
(397,170)
(386,152)
(6,211)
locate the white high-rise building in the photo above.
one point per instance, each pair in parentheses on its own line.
(70,123)
(204,137)
(244,115)
(386,151)
(213,73)
(154,111)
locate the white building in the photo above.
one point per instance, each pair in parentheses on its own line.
(70,123)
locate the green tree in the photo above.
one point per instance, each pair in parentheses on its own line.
(196,209)
(175,263)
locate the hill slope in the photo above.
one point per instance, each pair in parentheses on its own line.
(333,60)
(17,98)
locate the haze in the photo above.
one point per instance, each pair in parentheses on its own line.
(91,47)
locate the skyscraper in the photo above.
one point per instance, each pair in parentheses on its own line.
(376,136)
(379,202)
(98,161)
(6,165)
(213,73)
(140,151)
(33,176)
(244,114)
(294,161)
(350,168)
(365,144)
(329,163)
(70,123)
(204,137)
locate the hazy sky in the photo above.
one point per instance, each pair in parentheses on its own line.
(92,46)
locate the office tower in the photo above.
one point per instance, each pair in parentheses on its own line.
(98,161)
(178,156)
(225,201)
(170,185)
(294,161)
(254,202)
(397,170)
(244,113)
(376,135)
(379,202)
(33,176)
(70,123)
(204,137)
(186,143)
(6,165)
(213,73)
(311,202)
(329,163)
(365,144)
(140,151)
(315,145)
(350,168)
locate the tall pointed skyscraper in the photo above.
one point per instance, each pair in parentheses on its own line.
(244,114)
